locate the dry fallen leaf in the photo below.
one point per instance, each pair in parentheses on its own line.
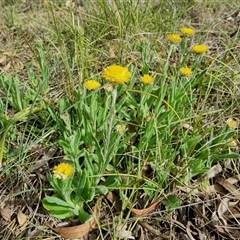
(230,187)
(223,207)
(22,218)
(142,212)
(187,126)
(213,171)
(80,230)
(6,214)
(114,200)
(6,68)
(76,231)
(2,59)
(215,188)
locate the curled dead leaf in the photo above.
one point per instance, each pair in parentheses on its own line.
(142,212)
(76,231)
(80,230)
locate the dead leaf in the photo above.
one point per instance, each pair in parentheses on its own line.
(230,187)
(3,59)
(6,68)
(187,126)
(223,207)
(80,230)
(6,213)
(76,231)
(9,54)
(215,188)
(22,218)
(234,179)
(114,200)
(142,212)
(213,171)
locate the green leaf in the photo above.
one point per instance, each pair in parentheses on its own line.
(171,202)
(57,202)
(84,216)
(101,190)
(79,184)
(220,157)
(112,181)
(62,214)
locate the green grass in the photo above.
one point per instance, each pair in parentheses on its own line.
(139,142)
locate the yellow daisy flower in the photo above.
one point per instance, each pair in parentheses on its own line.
(186,71)
(147,79)
(200,48)
(91,84)
(174,38)
(63,170)
(116,74)
(187,31)
(231,123)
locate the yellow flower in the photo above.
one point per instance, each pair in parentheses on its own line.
(91,84)
(187,31)
(174,38)
(231,123)
(185,71)
(108,87)
(200,48)
(116,74)
(120,128)
(63,170)
(232,143)
(147,79)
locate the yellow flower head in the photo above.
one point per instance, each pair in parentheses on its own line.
(185,71)
(63,170)
(120,128)
(231,123)
(91,84)
(109,87)
(116,74)
(200,48)
(232,142)
(147,79)
(187,31)
(174,38)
